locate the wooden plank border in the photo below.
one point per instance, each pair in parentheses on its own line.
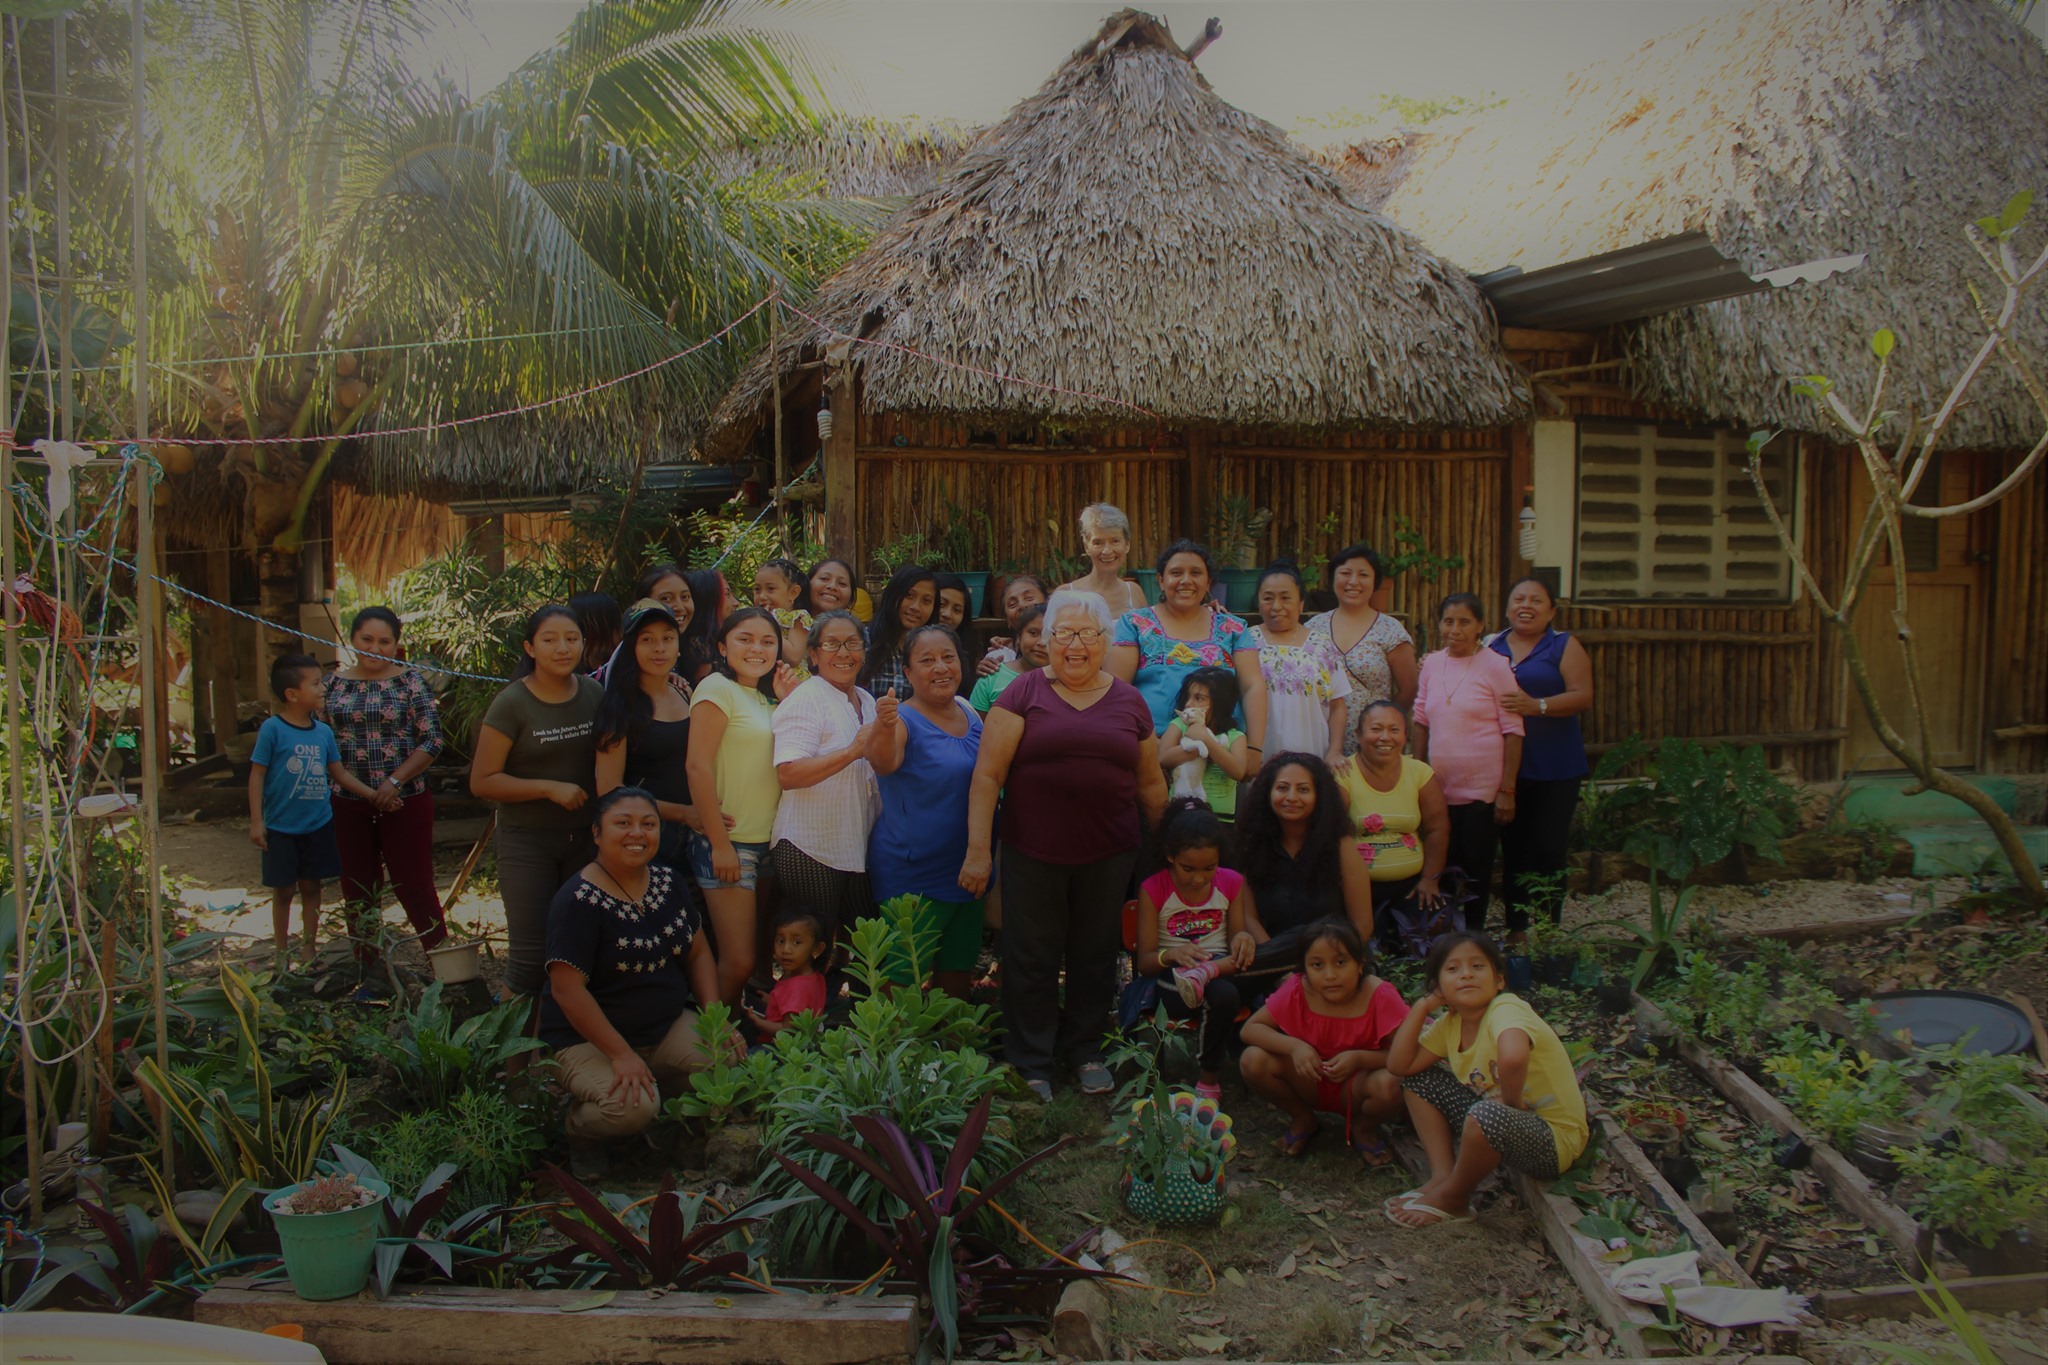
(1983,1294)
(455,1325)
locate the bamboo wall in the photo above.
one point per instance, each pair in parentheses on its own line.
(2016,695)
(1754,673)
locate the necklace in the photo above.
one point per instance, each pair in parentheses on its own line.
(1471,661)
(618,885)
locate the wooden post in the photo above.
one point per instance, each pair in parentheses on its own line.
(1200,471)
(781,447)
(842,487)
(220,649)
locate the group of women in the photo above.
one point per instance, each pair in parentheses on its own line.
(658,770)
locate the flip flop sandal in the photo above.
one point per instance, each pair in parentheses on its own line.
(1294,1145)
(1375,1153)
(1438,1214)
(1398,1200)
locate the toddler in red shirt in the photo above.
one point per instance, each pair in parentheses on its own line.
(801,944)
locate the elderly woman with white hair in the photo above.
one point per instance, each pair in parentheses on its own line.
(1071,749)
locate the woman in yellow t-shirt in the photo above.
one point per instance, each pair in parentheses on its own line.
(1404,827)
(1488,1084)
(731,766)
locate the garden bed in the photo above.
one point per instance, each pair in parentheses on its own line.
(453,1325)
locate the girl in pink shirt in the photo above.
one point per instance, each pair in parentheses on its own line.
(1473,743)
(1319,1043)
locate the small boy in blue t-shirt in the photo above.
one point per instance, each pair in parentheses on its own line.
(290,815)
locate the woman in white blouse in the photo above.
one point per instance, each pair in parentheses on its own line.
(819,852)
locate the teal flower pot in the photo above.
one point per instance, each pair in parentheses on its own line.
(328,1255)
(977,594)
(1178,1200)
(1148,583)
(1239,589)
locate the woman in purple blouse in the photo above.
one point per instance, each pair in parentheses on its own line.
(389,730)
(1070,749)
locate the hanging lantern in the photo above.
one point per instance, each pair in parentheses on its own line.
(825,420)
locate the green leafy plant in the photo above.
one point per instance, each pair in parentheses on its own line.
(433,1058)
(1957,1190)
(1656,939)
(912,547)
(125,1267)
(492,1140)
(267,1145)
(1156,1142)
(1838,1090)
(1235,526)
(1693,807)
(1942,1306)
(913,1056)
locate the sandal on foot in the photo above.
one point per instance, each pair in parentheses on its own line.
(1375,1153)
(1399,1201)
(1437,1216)
(1295,1145)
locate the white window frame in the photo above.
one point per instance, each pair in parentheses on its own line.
(1727,465)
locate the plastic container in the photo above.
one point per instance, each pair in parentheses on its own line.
(112,1339)
(455,963)
(1178,1201)
(328,1255)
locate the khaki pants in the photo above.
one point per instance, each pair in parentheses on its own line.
(586,1073)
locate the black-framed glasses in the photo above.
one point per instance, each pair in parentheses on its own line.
(1087,635)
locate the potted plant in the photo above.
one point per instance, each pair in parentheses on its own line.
(1234,530)
(327,1229)
(1551,953)
(966,536)
(1175,1144)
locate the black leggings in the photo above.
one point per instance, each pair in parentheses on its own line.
(802,882)
(1533,849)
(1524,1141)
(1218,1011)
(1474,840)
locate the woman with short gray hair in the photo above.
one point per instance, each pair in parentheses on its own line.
(1106,540)
(1071,749)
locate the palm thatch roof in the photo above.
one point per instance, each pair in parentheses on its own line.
(1127,235)
(1788,131)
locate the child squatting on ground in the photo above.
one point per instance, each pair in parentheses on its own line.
(291,816)
(1190,925)
(1489,1074)
(1319,1044)
(801,950)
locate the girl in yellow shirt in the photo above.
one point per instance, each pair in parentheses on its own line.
(1488,1083)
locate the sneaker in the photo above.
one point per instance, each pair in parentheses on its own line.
(1094,1078)
(1190,981)
(1041,1088)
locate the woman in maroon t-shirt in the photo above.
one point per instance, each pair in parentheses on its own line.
(1070,749)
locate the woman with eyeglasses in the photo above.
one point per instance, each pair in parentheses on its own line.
(1072,750)
(820,850)
(1157,647)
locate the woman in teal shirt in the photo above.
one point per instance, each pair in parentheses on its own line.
(1157,647)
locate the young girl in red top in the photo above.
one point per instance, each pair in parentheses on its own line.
(1188,919)
(802,946)
(1319,1044)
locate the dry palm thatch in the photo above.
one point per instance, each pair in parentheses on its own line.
(1126,233)
(1789,131)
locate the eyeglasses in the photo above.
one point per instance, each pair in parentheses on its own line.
(856,645)
(1087,635)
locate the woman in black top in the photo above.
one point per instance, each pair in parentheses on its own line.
(1298,852)
(643,723)
(625,964)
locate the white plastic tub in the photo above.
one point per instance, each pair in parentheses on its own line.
(111,1339)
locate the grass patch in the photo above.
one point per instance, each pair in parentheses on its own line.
(1316,1326)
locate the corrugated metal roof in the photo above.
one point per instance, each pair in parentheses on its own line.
(1636,282)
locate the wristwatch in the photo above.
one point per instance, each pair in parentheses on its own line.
(1543,706)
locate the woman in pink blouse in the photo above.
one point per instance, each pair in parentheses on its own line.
(1472,741)
(389,730)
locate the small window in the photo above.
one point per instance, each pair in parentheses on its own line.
(1669,513)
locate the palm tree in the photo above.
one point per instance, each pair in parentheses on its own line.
(326,212)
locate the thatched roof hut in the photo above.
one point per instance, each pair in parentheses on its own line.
(1789,131)
(1126,238)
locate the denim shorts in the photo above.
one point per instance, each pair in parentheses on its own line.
(699,849)
(293,858)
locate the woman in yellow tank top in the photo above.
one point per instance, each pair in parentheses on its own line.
(1403,824)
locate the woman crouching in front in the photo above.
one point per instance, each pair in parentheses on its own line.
(625,966)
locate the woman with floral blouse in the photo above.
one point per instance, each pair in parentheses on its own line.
(389,731)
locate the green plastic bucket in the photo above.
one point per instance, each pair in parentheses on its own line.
(328,1255)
